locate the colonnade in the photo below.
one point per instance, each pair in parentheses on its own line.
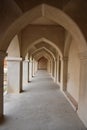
(21,71)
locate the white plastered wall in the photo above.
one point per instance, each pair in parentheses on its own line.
(73,71)
(13,49)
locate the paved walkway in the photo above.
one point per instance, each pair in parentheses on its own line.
(41,106)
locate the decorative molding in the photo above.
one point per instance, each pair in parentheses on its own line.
(14,59)
(26,60)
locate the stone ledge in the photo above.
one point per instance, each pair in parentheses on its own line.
(13,59)
(72,101)
(26,61)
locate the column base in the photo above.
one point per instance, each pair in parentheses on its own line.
(29,81)
(21,91)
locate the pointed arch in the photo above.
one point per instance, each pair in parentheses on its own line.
(51,13)
(44,54)
(46,41)
(44,48)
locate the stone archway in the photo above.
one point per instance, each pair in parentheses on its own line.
(14,66)
(47,41)
(64,20)
(44,48)
(50,12)
(42,56)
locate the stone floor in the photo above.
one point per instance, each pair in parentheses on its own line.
(41,106)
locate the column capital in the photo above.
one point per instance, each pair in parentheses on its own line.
(83,55)
(30,61)
(2,54)
(14,59)
(26,60)
(23,58)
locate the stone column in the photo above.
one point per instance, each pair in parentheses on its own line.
(14,74)
(48,67)
(28,71)
(64,72)
(59,78)
(55,76)
(25,71)
(21,76)
(82,104)
(35,67)
(2,56)
(52,68)
(51,71)
(58,69)
(32,67)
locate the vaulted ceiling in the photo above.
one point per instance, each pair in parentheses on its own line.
(35,20)
(28,4)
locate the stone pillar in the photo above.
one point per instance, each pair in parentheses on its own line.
(55,76)
(25,71)
(82,104)
(21,76)
(58,69)
(32,67)
(52,68)
(54,71)
(64,72)
(59,78)
(35,67)
(28,71)
(2,56)
(14,74)
(48,66)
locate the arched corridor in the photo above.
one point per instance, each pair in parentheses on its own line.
(49,35)
(41,106)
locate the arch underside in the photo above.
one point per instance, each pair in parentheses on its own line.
(51,13)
